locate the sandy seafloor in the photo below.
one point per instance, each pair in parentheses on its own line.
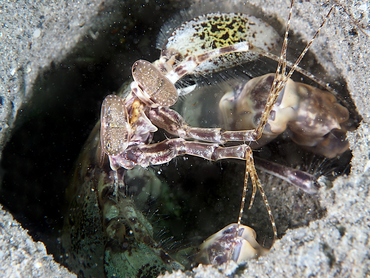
(319,250)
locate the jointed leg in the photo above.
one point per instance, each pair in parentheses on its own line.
(172,122)
(165,151)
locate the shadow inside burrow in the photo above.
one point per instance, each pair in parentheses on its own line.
(53,125)
(52,128)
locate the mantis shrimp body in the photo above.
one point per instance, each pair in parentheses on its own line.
(107,233)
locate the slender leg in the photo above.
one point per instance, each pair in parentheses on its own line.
(303,180)
(165,151)
(173,122)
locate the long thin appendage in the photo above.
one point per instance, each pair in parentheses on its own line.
(245,187)
(282,61)
(192,62)
(278,83)
(301,179)
(309,44)
(280,77)
(251,170)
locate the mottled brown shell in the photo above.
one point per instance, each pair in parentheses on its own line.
(154,84)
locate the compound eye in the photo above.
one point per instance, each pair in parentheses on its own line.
(115,128)
(154,84)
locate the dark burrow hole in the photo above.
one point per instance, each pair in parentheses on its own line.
(52,127)
(51,130)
